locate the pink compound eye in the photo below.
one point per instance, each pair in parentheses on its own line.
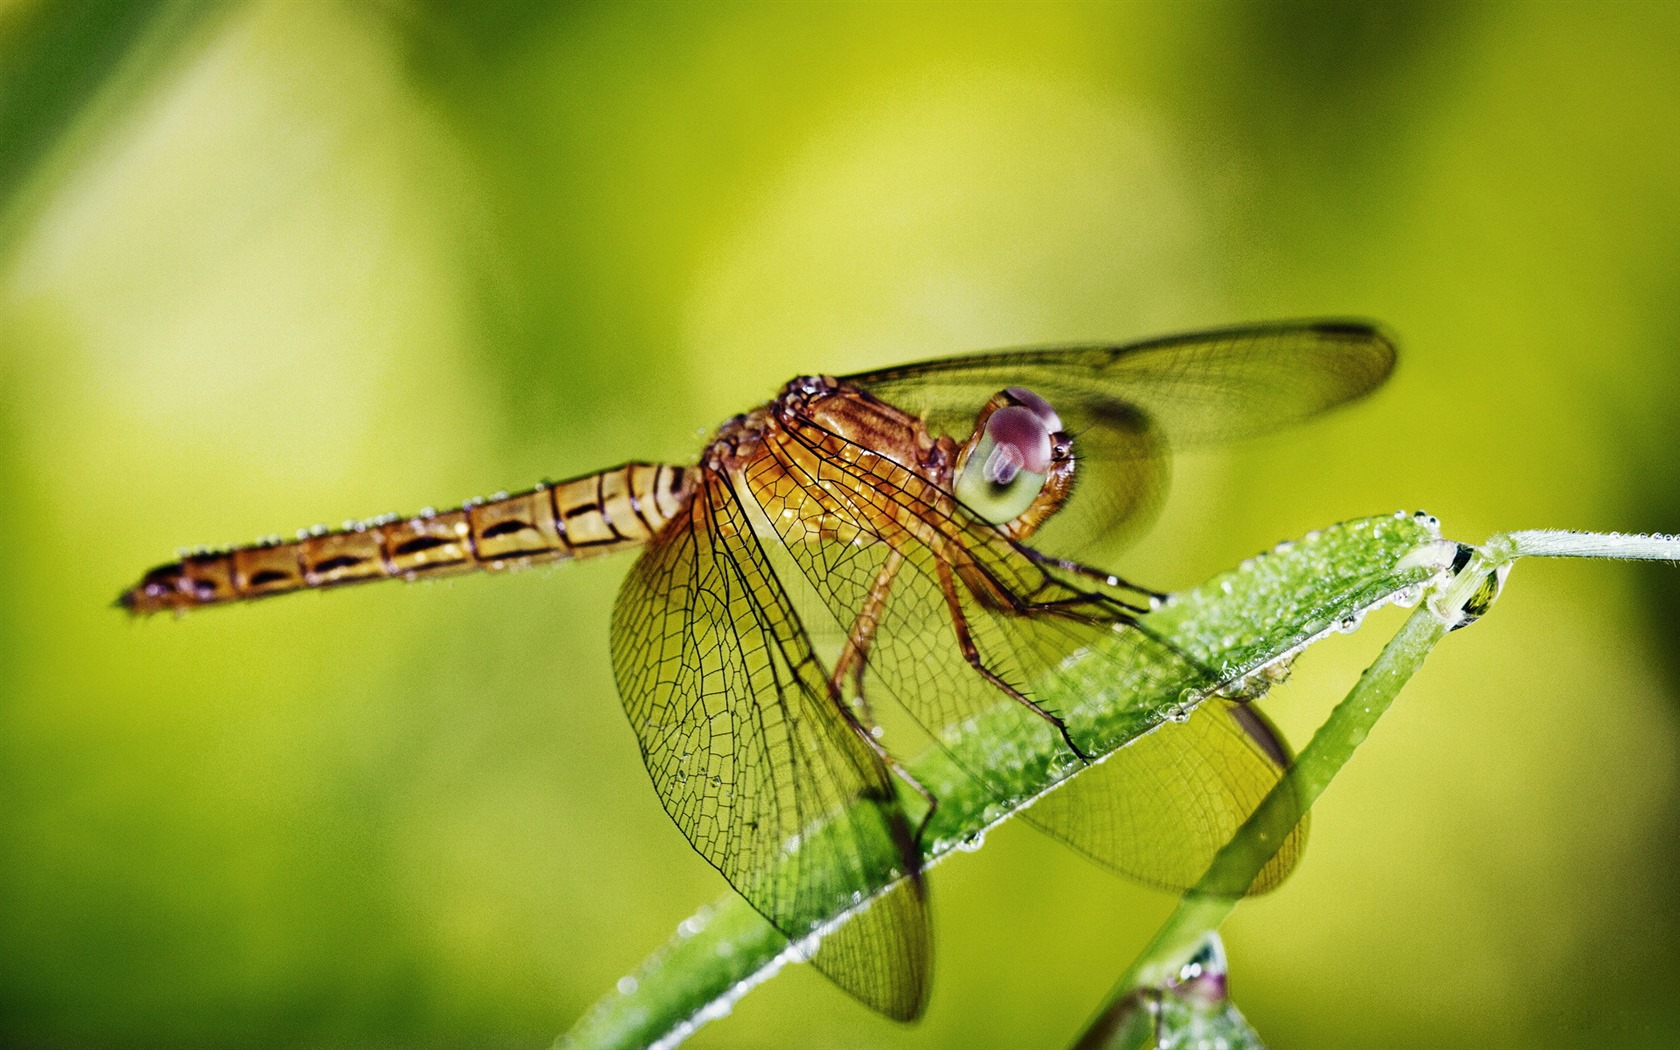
(1020,442)
(1040,407)
(1010,461)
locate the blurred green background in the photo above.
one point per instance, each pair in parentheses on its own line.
(272,263)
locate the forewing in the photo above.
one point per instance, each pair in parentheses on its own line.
(1162,806)
(960,588)
(1201,387)
(754,760)
(1127,405)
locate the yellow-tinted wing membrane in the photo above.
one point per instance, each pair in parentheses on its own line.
(971,634)
(1201,387)
(1126,406)
(1162,806)
(755,761)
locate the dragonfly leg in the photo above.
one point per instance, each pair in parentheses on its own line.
(1107,579)
(971,653)
(1119,610)
(995,595)
(910,781)
(992,592)
(852,662)
(854,655)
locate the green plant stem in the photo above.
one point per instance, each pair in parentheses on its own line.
(1201,909)
(1249,618)
(1463,597)
(1551,543)
(1243,621)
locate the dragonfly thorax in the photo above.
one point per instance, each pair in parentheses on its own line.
(1013,470)
(855,418)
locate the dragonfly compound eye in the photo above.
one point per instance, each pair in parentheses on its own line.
(1040,407)
(1008,467)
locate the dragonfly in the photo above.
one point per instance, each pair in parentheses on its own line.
(911,537)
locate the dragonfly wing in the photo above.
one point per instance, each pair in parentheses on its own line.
(1126,405)
(1211,386)
(755,761)
(1162,806)
(961,649)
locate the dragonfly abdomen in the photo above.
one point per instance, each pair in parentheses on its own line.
(588,516)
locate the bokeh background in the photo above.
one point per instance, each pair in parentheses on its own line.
(274,263)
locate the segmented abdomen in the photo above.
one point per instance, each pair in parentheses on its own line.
(595,514)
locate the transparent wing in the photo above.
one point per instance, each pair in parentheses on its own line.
(1162,806)
(972,634)
(755,761)
(1127,405)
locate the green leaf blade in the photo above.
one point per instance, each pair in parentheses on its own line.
(1241,623)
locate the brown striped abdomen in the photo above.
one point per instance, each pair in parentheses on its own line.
(596,514)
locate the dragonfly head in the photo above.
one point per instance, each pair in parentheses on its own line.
(1016,469)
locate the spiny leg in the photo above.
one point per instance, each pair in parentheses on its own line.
(992,593)
(1107,579)
(854,660)
(1119,611)
(1119,615)
(971,653)
(854,656)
